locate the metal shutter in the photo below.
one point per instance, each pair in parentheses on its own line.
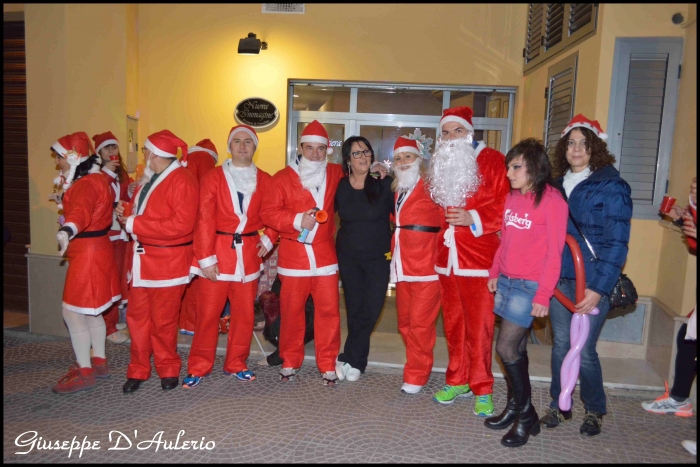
(554,30)
(533,41)
(580,15)
(560,100)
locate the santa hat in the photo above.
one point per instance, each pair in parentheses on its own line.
(104,139)
(315,133)
(62,145)
(406,145)
(203,146)
(462,115)
(78,150)
(581,121)
(164,144)
(245,128)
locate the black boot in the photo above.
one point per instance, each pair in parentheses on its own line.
(509,414)
(527,422)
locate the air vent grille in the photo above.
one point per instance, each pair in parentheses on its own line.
(284,8)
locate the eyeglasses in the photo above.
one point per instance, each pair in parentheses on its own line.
(358,154)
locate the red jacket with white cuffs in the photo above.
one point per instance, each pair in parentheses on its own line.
(283,206)
(120,190)
(163,228)
(412,251)
(220,211)
(473,248)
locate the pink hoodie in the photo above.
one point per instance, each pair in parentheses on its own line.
(532,240)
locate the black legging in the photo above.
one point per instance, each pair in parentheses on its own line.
(364,285)
(686,365)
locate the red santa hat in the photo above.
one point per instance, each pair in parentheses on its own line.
(203,146)
(62,145)
(315,133)
(245,128)
(406,145)
(164,144)
(462,115)
(78,150)
(581,121)
(104,139)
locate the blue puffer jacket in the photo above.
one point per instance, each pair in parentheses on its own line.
(602,207)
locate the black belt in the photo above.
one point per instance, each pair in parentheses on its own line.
(94,233)
(420,228)
(237,237)
(140,250)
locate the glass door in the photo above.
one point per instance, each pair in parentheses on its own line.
(382,135)
(338,131)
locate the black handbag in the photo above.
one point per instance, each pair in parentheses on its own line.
(624,293)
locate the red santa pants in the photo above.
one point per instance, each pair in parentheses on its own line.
(188,310)
(212,298)
(324,292)
(152,321)
(467,312)
(111,316)
(417,306)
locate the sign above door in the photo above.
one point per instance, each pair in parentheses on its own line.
(256,112)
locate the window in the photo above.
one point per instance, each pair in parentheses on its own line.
(641,119)
(383,112)
(560,92)
(554,27)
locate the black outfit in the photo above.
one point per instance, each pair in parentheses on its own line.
(685,360)
(363,240)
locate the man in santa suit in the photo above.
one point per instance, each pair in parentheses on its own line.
(470,179)
(162,226)
(228,252)
(310,266)
(107,147)
(200,159)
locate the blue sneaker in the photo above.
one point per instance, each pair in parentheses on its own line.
(185,332)
(243,375)
(192,381)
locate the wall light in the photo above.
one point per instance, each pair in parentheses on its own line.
(251,45)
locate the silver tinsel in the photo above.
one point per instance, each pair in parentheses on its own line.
(453,174)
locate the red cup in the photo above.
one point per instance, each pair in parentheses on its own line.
(667,204)
(114,158)
(128,208)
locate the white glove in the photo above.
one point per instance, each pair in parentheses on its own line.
(63,240)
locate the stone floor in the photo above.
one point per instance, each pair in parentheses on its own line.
(269,421)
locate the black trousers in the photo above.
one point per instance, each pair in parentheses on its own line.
(365,283)
(686,365)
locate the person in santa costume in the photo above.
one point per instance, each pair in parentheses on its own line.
(113,168)
(228,255)
(162,226)
(200,159)
(87,209)
(469,181)
(412,263)
(307,266)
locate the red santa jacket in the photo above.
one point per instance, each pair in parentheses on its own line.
(413,251)
(87,204)
(162,228)
(120,190)
(199,163)
(220,211)
(473,248)
(283,206)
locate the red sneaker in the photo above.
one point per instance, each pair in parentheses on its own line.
(100,366)
(224,324)
(77,379)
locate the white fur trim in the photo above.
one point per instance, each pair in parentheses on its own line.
(230,137)
(600,134)
(109,172)
(324,271)
(129,225)
(410,149)
(59,149)
(91,311)
(463,272)
(155,150)
(267,243)
(460,120)
(206,262)
(314,139)
(199,148)
(228,277)
(105,143)
(476,228)
(73,227)
(297,221)
(162,283)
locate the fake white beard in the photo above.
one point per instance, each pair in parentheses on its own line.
(148,172)
(245,178)
(312,173)
(453,175)
(407,175)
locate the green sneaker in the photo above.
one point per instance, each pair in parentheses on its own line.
(483,407)
(448,394)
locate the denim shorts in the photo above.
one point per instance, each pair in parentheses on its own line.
(514,300)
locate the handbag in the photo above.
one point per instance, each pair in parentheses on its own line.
(624,293)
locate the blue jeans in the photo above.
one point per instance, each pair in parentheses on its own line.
(591,375)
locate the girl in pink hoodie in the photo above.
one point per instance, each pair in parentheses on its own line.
(523,276)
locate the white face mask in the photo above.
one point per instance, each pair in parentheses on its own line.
(312,173)
(407,175)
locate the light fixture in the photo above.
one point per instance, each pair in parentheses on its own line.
(251,45)
(295,95)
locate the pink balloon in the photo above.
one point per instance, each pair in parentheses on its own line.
(578,335)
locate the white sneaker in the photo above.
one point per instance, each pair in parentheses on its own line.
(352,374)
(690,446)
(341,369)
(118,337)
(410,388)
(121,326)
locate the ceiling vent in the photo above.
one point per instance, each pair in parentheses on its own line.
(284,8)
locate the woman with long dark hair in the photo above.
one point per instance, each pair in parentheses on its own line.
(364,204)
(92,285)
(523,276)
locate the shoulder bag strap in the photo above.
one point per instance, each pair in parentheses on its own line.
(582,235)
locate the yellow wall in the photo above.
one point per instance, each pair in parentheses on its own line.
(12,7)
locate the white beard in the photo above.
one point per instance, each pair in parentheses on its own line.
(312,173)
(407,177)
(453,176)
(245,178)
(148,172)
